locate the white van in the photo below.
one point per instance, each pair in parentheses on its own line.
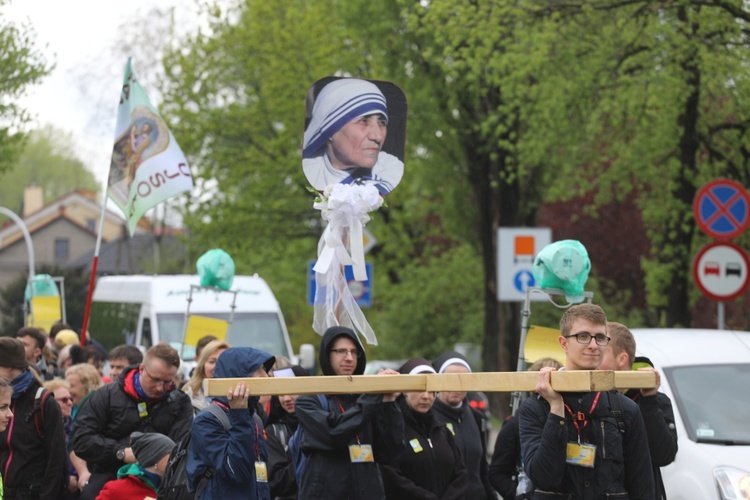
(706,374)
(144,310)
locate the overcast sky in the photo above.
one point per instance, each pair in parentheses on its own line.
(79,36)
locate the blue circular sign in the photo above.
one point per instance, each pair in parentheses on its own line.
(523,279)
(722,208)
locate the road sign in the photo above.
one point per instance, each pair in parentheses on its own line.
(721,270)
(368,240)
(722,209)
(516,249)
(361,291)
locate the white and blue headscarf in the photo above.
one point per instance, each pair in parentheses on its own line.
(340,102)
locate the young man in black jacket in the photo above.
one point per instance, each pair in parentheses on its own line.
(346,441)
(33,460)
(656,407)
(142,399)
(571,443)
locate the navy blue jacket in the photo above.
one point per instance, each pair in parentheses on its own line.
(622,467)
(233,453)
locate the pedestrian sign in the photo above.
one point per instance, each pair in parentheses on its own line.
(721,270)
(722,209)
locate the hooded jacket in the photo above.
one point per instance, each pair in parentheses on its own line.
(132,482)
(327,435)
(231,454)
(104,424)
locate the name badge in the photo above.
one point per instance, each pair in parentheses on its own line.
(261,472)
(582,455)
(360,453)
(415,445)
(142,410)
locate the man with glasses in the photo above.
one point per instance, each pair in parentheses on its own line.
(572,444)
(346,436)
(142,399)
(655,406)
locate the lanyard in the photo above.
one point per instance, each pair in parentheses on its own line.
(255,427)
(581,417)
(341,407)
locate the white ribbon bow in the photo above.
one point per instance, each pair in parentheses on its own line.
(346,208)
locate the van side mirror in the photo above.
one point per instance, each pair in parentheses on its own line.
(307,356)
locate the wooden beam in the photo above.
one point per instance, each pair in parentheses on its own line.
(562,381)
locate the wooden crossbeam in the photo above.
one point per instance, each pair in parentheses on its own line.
(562,381)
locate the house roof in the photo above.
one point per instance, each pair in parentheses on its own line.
(132,255)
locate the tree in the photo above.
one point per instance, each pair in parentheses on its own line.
(21,65)
(48,160)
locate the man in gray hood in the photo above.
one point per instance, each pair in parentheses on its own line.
(346,436)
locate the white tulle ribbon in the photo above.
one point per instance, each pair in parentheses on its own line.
(346,208)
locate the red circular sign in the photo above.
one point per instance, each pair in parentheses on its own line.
(720,270)
(722,209)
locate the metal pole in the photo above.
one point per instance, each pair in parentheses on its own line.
(720,314)
(26,236)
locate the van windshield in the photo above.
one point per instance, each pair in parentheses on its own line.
(259,330)
(712,401)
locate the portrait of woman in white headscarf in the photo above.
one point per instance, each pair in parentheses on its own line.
(351,138)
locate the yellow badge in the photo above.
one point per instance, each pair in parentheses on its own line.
(581,454)
(449,425)
(142,411)
(415,445)
(361,453)
(261,472)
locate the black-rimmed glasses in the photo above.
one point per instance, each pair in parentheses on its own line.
(585,338)
(343,352)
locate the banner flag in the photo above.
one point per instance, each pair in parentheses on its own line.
(147,165)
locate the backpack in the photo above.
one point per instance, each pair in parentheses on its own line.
(615,406)
(299,458)
(37,411)
(174,483)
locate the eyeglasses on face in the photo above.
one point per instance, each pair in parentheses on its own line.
(585,338)
(64,400)
(343,352)
(156,381)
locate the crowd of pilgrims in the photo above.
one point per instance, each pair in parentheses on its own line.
(112,436)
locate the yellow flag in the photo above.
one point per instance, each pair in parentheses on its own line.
(541,342)
(200,326)
(45,312)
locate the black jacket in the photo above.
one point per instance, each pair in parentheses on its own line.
(506,459)
(33,467)
(469,427)
(430,467)
(104,424)
(622,467)
(327,435)
(658,416)
(281,476)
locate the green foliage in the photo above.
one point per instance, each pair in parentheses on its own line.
(48,160)
(21,65)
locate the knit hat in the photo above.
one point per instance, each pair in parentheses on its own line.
(65,337)
(12,353)
(150,447)
(450,358)
(340,102)
(415,366)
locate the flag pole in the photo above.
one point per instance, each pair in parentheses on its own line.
(94,265)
